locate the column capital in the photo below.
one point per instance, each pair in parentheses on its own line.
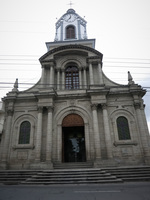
(104,106)
(58,69)
(40,109)
(62,70)
(52,62)
(90,62)
(10,112)
(50,108)
(94,106)
(137,105)
(84,67)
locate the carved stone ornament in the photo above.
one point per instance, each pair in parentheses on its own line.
(10,112)
(94,106)
(40,109)
(50,108)
(104,106)
(137,105)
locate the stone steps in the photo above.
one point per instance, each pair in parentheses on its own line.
(75,176)
(141,173)
(14,177)
(73,165)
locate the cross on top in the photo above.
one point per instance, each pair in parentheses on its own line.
(70,4)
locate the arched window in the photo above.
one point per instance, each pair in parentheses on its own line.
(24,134)
(72,77)
(123,128)
(70,32)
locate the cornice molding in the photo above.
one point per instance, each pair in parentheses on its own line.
(69,47)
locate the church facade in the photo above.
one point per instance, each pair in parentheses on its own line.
(74,113)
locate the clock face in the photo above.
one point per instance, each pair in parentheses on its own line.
(70,17)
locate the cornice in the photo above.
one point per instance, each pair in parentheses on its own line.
(71,47)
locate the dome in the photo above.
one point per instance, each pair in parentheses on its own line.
(71,11)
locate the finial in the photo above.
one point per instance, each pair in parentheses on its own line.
(15,89)
(130,79)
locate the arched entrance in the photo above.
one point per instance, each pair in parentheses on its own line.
(73,139)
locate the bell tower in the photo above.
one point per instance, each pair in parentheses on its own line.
(71,29)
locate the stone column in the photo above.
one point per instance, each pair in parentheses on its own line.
(52,75)
(63,79)
(39,134)
(107,131)
(100,74)
(49,134)
(96,131)
(7,134)
(142,130)
(58,79)
(59,143)
(85,81)
(91,74)
(43,77)
(87,141)
(80,79)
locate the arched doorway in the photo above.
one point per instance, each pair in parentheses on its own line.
(73,139)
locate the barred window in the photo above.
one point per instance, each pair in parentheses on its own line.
(123,128)
(70,32)
(72,77)
(24,134)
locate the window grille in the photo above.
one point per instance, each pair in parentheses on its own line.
(24,134)
(123,128)
(72,77)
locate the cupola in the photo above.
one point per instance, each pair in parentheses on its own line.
(71,29)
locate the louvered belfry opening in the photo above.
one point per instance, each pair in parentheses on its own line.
(70,32)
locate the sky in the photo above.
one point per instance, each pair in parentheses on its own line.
(121,29)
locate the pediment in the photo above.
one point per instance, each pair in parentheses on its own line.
(71,49)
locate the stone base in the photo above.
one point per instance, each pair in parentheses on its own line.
(105,163)
(41,165)
(3,165)
(147,160)
(118,162)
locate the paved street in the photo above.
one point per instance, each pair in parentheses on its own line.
(125,191)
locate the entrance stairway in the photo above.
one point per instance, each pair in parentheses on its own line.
(75,176)
(131,173)
(73,165)
(72,176)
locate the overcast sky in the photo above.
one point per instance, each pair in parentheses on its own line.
(121,29)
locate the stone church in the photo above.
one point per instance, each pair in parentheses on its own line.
(74,113)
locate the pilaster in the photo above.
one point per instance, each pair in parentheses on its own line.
(91,73)
(49,134)
(7,134)
(107,131)
(52,75)
(63,79)
(84,75)
(39,134)
(42,77)
(59,143)
(100,74)
(96,131)
(142,130)
(58,79)
(80,79)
